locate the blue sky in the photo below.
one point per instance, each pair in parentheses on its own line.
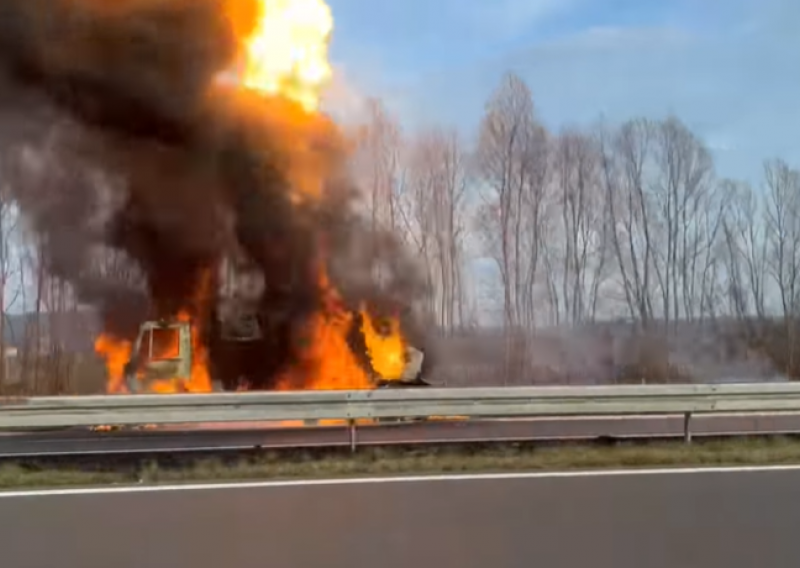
(729,68)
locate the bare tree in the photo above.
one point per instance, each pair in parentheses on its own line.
(746,236)
(733,227)
(432,209)
(664,218)
(512,159)
(624,157)
(9,271)
(745,251)
(379,165)
(582,234)
(783,226)
(680,194)
(783,233)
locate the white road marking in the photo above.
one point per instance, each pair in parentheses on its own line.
(401,479)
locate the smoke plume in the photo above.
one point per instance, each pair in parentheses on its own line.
(121,143)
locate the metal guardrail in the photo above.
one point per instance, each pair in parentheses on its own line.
(87,411)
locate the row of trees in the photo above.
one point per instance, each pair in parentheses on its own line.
(587,224)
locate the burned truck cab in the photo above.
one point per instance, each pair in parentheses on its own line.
(161,358)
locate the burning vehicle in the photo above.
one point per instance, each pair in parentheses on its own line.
(174,163)
(164,359)
(163,353)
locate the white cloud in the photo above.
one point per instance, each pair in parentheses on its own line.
(508,18)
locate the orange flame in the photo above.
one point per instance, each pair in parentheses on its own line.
(328,363)
(116,353)
(286,53)
(386,351)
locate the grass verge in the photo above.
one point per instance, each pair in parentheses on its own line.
(397,461)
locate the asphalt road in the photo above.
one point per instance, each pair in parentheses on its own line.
(170,440)
(656,520)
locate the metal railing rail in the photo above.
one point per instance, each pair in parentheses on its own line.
(87,411)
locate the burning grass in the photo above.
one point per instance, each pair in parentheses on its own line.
(410,461)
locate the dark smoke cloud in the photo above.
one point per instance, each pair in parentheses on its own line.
(115,140)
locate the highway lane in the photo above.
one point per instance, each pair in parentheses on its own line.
(624,520)
(171,439)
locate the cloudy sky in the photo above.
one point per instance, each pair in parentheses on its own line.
(729,68)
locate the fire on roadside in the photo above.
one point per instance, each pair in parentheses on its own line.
(284,56)
(116,353)
(386,348)
(328,362)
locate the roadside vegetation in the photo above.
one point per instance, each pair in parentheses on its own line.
(408,461)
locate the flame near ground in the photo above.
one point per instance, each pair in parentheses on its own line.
(284,56)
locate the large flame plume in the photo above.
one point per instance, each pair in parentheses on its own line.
(174,170)
(287,52)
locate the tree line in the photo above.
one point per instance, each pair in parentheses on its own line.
(625,221)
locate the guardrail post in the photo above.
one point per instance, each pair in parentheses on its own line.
(352,433)
(687,430)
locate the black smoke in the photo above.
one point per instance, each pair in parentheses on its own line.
(118,139)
